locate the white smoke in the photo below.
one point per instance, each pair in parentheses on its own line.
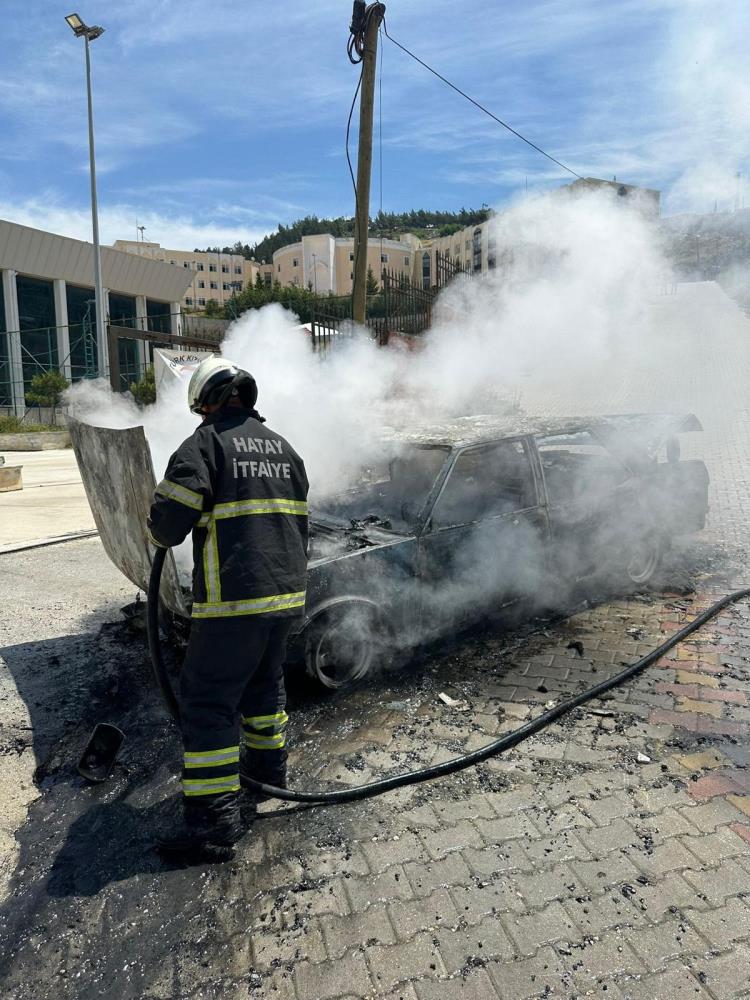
(705,86)
(570,294)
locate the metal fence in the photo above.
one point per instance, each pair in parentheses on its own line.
(447,268)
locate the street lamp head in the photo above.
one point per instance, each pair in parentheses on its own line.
(79,28)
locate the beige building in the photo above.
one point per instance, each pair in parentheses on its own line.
(325,263)
(475,248)
(214,276)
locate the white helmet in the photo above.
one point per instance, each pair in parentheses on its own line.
(216,373)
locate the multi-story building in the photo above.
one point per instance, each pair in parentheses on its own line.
(47,315)
(325,263)
(212,275)
(475,248)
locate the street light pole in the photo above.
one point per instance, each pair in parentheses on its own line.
(89,35)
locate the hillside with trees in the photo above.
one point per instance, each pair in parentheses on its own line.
(388,224)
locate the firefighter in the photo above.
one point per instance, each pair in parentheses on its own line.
(242,490)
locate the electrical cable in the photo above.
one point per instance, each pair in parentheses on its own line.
(505,742)
(476,104)
(361,16)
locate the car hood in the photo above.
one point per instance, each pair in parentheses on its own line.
(332,538)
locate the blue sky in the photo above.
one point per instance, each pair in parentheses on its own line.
(216,121)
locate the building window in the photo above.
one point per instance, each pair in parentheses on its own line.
(477,241)
(188,300)
(384,258)
(295,262)
(201,302)
(279,268)
(173,262)
(201,284)
(267,280)
(426,270)
(351,256)
(406,260)
(351,275)
(199,267)
(214,284)
(225,268)
(238,270)
(212,267)
(491,252)
(186,263)
(226,286)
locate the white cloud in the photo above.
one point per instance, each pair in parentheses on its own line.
(176,232)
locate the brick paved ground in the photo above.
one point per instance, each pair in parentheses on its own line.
(569,867)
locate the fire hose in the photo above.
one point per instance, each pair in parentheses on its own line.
(505,742)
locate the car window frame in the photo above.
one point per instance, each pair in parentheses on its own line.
(530,447)
(578,429)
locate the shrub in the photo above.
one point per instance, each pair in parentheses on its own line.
(46,389)
(14,425)
(144,391)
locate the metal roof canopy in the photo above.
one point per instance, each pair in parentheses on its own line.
(38,254)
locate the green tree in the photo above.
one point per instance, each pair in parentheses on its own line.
(213,308)
(144,391)
(372,287)
(46,389)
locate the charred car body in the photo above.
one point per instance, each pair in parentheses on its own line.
(486,511)
(457,521)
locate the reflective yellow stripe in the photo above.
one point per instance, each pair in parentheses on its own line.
(254,742)
(211,758)
(211,569)
(203,521)
(154,541)
(255,606)
(269,505)
(263,721)
(180,493)
(211,786)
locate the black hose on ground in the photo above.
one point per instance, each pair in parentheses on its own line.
(498,746)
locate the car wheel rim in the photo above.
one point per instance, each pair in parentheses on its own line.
(643,561)
(340,659)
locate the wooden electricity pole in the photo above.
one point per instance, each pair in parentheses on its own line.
(364,165)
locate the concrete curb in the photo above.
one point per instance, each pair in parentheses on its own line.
(31,441)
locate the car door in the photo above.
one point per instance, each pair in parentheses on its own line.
(594,502)
(483,544)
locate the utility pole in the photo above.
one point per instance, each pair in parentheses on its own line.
(374,16)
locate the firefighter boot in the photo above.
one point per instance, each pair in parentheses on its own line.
(214,825)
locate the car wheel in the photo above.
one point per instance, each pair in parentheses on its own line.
(343,646)
(644,558)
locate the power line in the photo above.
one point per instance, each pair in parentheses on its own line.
(476,104)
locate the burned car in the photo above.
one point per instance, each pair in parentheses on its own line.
(455,522)
(483,512)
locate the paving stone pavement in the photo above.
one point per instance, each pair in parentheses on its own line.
(606,857)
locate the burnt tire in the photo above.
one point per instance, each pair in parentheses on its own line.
(644,558)
(344,646)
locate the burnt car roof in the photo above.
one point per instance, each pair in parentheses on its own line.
(486,427)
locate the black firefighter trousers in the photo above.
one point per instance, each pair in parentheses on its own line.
(232,690)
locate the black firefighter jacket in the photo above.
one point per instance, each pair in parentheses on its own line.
(242,489)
